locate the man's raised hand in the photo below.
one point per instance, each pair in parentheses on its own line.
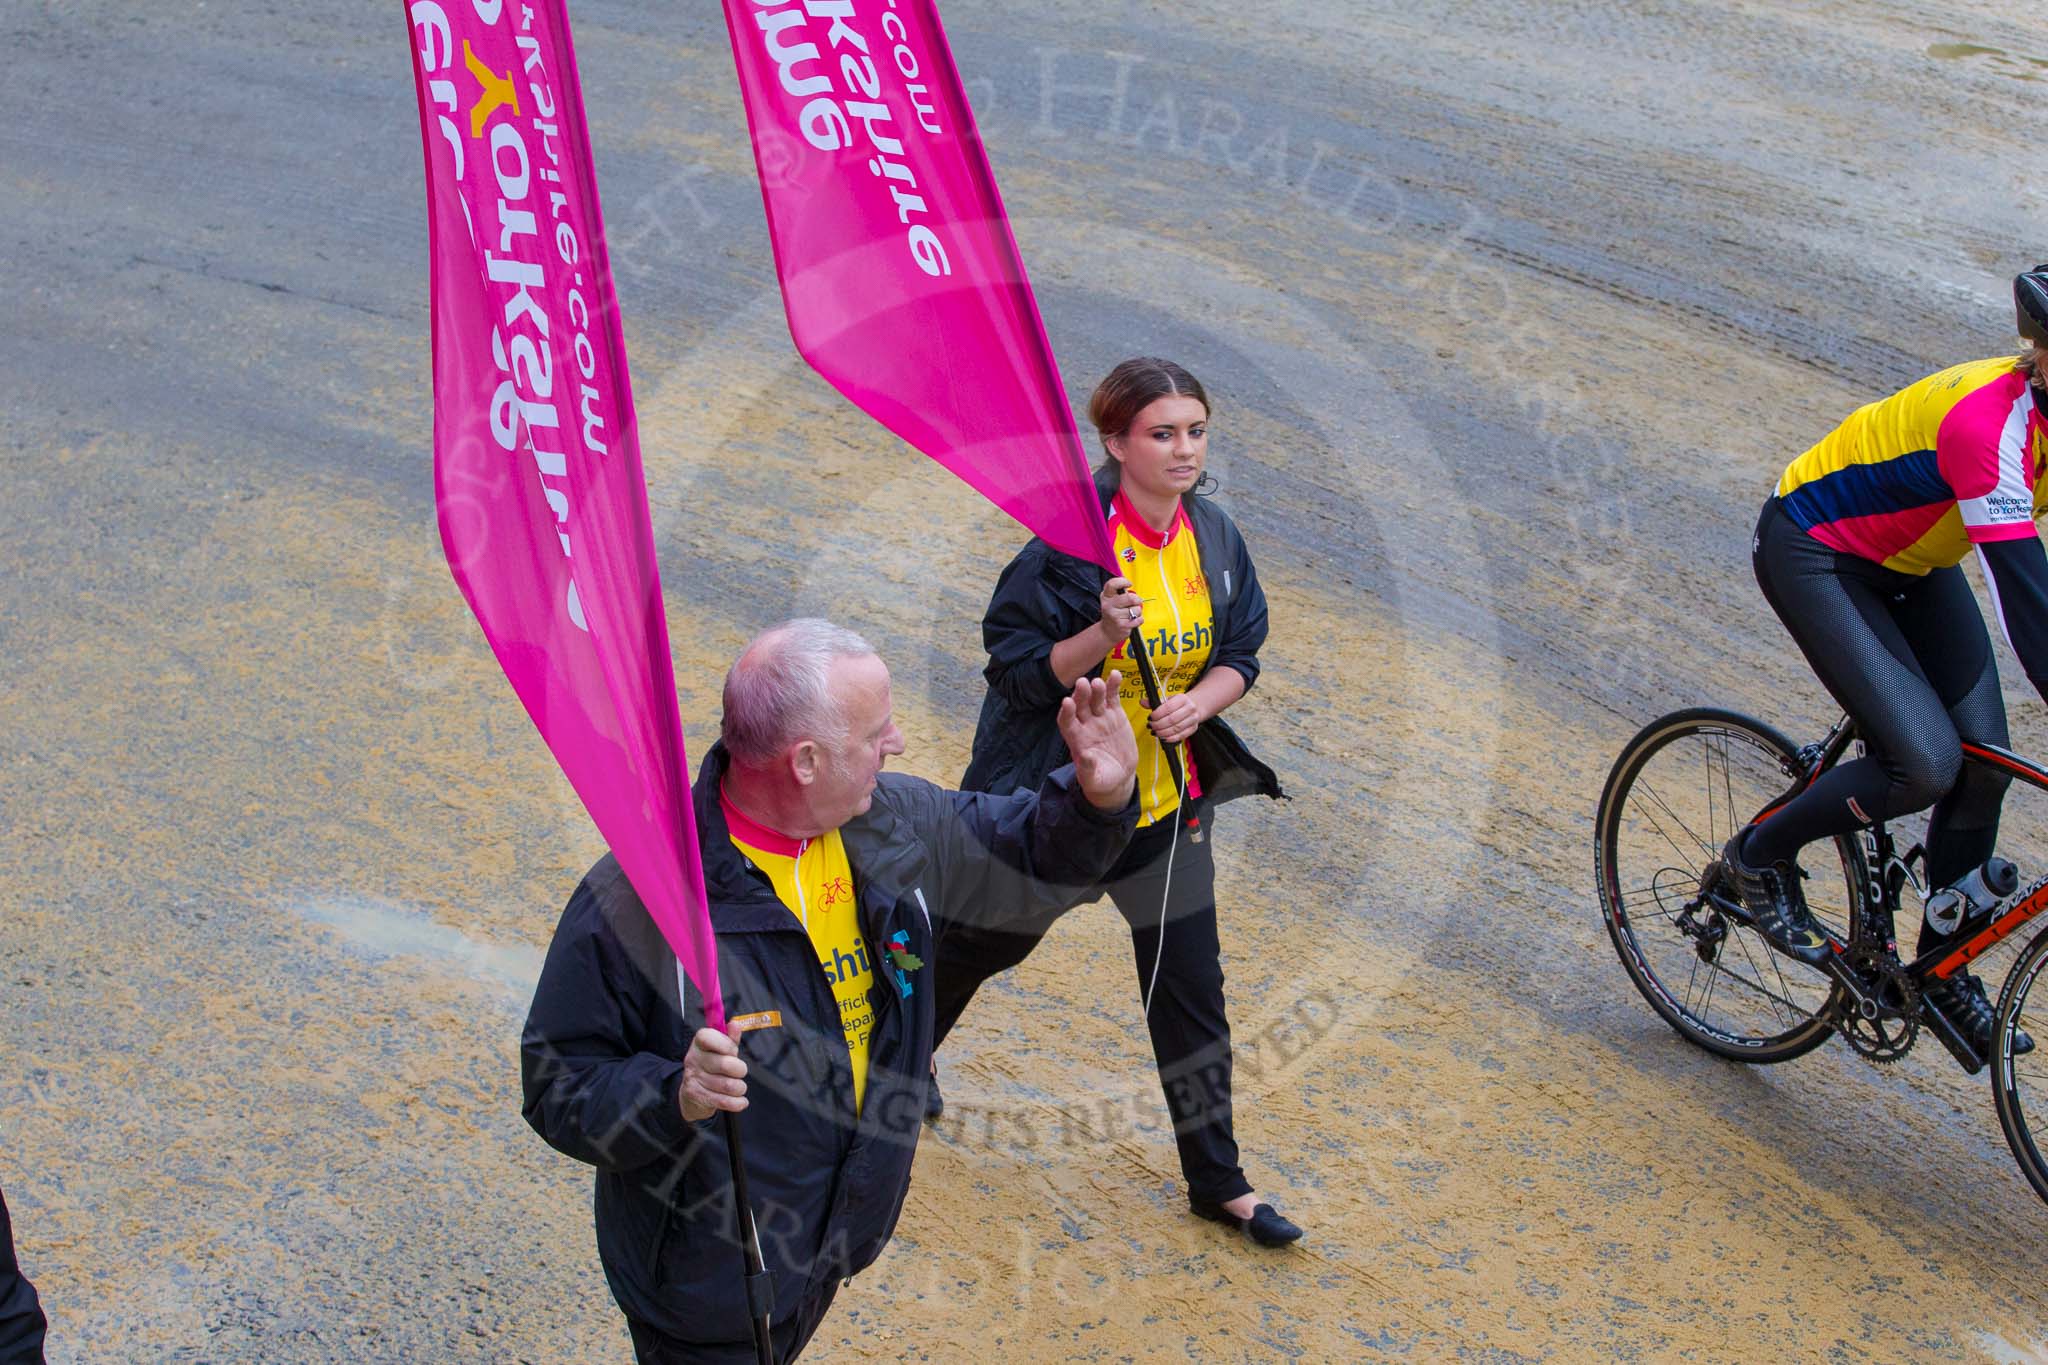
(1100,742)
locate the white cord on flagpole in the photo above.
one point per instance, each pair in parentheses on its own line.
(1180,806)
(1166,888)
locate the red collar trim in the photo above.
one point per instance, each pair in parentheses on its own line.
(753,833)
(1129,518)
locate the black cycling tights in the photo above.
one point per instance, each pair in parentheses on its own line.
(1910,659)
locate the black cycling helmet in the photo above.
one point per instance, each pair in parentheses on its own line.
(2030,298)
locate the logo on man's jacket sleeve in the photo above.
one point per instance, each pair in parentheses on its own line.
(902,961)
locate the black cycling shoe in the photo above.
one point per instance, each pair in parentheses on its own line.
(1775,902)
(1962,1001)
(1265,1226)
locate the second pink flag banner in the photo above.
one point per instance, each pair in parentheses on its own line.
(899,271)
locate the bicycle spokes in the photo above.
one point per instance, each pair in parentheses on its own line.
(1677,795)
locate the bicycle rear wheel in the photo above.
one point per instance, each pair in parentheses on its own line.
(2020,1084)
(1675,796)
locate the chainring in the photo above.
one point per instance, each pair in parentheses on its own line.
(1888,1036)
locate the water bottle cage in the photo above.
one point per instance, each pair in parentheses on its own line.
(1945,911)
(1972,900)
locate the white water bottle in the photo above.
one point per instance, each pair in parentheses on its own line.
(1976,895)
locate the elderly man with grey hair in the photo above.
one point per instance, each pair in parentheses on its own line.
(830,883)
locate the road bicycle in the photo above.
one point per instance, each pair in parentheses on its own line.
(1678,793)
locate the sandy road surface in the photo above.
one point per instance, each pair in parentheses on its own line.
(1511,313)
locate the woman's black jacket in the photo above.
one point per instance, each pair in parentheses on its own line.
(1045,596)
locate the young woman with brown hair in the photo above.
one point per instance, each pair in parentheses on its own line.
(1189,594)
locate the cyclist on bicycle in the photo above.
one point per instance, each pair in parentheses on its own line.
(1858,551)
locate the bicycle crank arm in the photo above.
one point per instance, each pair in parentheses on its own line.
(1951,1038)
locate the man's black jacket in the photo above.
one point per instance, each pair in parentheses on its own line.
(1045,596)
(21,1314)
(601,1051)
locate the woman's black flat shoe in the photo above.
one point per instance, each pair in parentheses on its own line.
(1265,1226)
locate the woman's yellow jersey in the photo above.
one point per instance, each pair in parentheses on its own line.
(1179,632)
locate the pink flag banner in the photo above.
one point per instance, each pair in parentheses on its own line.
(900,274)
(537,476)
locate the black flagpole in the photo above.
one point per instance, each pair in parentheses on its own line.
(1150,680)
(760,1289)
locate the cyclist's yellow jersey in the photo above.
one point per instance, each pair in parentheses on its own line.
(1180,632)
(813,879)
(1913,480)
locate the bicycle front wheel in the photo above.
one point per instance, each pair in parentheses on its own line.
(1676,795)
(2020,1084)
